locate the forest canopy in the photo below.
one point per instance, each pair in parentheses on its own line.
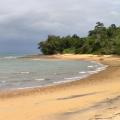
(100,40)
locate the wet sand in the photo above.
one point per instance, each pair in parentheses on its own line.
(94,98)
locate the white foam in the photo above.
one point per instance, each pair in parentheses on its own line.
(40,79)
(77,77)
(3,81)
(74,78)
(92,72)
(97,70)
(90,66)
(58,82)
(9,57)
(22,88)
(69,78)
(82,72)
(24,72)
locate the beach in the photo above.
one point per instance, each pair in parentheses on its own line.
(93,98)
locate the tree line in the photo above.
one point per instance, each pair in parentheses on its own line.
(100,40)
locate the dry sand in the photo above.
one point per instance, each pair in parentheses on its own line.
(94,98)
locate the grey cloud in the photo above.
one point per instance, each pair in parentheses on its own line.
(28,21)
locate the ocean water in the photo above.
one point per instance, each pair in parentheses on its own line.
(16,73)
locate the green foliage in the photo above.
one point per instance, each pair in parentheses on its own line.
(100,40)
(69,50)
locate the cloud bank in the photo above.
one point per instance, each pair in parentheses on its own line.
(25,22)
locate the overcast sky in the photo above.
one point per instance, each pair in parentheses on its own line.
(25,22)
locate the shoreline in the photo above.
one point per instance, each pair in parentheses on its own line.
(92,98)
(4,94)
(26,90)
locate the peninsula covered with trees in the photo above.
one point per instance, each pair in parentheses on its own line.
(100,40)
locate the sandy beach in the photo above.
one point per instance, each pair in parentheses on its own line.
(94,98)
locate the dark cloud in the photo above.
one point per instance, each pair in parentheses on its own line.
(25,22)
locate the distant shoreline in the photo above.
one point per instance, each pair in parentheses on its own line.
(88,57)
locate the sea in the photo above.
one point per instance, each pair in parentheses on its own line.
(19,73)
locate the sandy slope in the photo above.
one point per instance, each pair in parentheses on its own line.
(94,98)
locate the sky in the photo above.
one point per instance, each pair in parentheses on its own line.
(23,23)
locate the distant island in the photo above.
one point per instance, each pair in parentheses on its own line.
(100,40)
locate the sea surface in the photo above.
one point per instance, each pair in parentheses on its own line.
(17,73)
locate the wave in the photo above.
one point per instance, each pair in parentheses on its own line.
(90,66)
(83,76)
(73,78)
(23,72)
(97,70)
(83,72)
(3,81)
(31,77)
(66,80)
(40,79)
(8,57)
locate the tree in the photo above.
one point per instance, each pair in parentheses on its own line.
(100,40)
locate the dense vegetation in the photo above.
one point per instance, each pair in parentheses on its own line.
(100,40)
